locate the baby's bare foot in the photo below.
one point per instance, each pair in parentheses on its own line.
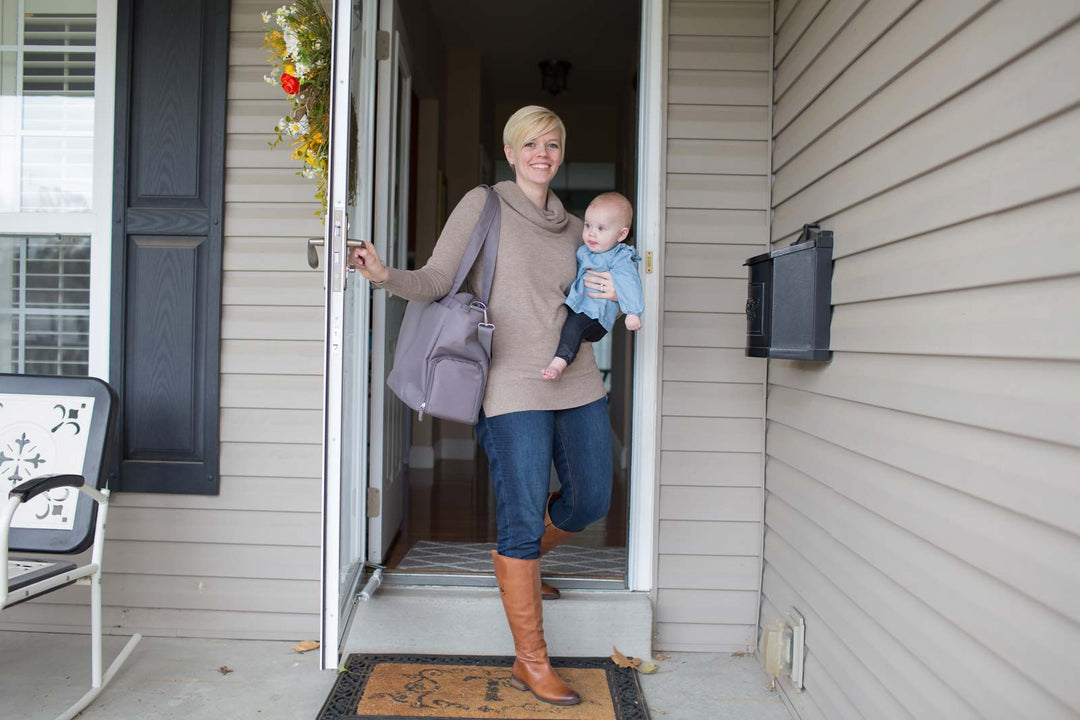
(554,370)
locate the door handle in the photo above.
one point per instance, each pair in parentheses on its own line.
(313,255)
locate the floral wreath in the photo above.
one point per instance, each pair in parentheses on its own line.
(300,43)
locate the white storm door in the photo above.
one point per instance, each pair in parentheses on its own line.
(348,316)
(390,417)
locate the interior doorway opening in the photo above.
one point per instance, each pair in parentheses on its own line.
(472,63)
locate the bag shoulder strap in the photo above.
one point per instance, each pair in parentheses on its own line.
(486,235)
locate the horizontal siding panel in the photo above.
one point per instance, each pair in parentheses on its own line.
(255,185)
(824,651)
(271,425)
(256,323)
(713,399)
(1018,320)
(271,356)
(291,463)
(251,151)
(697,572)
(727,607)
(718,122)
(823,32)
(721,192)
(1030,477)
(246,17)
(717,504)
(268,254)
(718,18)
(290,392)
(239,492)
(676,637)
(715,261)
(704,294)
(735,227)
(247,83)
(734,157)
(158,622)
(1037,86)
(718,53)
(970,609)
(206,593)
(709,538)
(921,691)
(794,25)
(711,365)
(929,23)
(254,117)
(783,12)
(851,646)
(712,434)
(710,468)
(246,50)
(920,88)
(1029,167)
(867,23)
(1020,552)
(718,87)
(269,289)
(283,219)
(1014,396)
(218,561)
(942,260)
(721,330)
(215,526)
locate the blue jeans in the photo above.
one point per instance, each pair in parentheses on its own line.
(521,447)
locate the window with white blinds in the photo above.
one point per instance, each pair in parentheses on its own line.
(47,60)
(48,54)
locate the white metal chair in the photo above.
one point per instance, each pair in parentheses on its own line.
(55,439)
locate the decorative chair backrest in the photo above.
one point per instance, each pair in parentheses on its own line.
(48,426)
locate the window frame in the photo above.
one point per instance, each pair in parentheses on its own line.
(97,222)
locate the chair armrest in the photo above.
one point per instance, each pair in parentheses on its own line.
(44,483)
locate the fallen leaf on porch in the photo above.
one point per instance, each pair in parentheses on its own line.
(739,654)
(224,670)
(622,661)
(661,656)
(305,646)
(648,668)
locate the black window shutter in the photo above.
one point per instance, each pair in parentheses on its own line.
(172,70)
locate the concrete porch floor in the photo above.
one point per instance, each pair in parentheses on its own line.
(41,674)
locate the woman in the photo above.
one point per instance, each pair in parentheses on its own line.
(526,422)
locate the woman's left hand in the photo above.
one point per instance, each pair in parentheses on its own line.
(599,285)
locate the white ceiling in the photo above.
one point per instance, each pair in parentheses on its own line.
(598,37)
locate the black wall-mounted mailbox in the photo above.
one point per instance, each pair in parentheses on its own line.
(788,299)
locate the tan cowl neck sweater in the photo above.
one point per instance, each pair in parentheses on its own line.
(533,272)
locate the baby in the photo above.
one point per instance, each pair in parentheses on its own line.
(607,223)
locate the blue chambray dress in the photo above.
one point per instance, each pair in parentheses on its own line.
(622,260)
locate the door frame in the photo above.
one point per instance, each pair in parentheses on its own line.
(651,172)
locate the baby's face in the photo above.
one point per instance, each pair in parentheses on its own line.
(603,229)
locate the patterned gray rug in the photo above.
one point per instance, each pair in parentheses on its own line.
(431,556)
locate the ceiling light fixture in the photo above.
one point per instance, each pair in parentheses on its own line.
(553,75)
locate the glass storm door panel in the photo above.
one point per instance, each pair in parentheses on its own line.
(390,417)
(348,315)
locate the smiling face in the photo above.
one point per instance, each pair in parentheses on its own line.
(537,160)
(604,227)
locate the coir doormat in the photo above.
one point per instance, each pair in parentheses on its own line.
(440,687)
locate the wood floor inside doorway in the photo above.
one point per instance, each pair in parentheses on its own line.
(454,502)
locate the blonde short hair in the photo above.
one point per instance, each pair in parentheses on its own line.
(617,202)
(529,122)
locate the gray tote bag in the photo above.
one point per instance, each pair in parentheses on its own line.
(444,348)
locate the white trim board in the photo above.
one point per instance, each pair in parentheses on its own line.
(645,440)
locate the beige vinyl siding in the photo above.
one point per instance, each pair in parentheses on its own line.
(922,509)
(244,563)
(712,402)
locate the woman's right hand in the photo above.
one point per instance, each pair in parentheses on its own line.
(367,262)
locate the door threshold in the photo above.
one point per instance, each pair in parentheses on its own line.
(400,578)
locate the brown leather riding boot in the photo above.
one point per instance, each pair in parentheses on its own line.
(519,585)
(553,537)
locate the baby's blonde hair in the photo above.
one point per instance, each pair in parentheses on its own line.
(529,122)
(619,203)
